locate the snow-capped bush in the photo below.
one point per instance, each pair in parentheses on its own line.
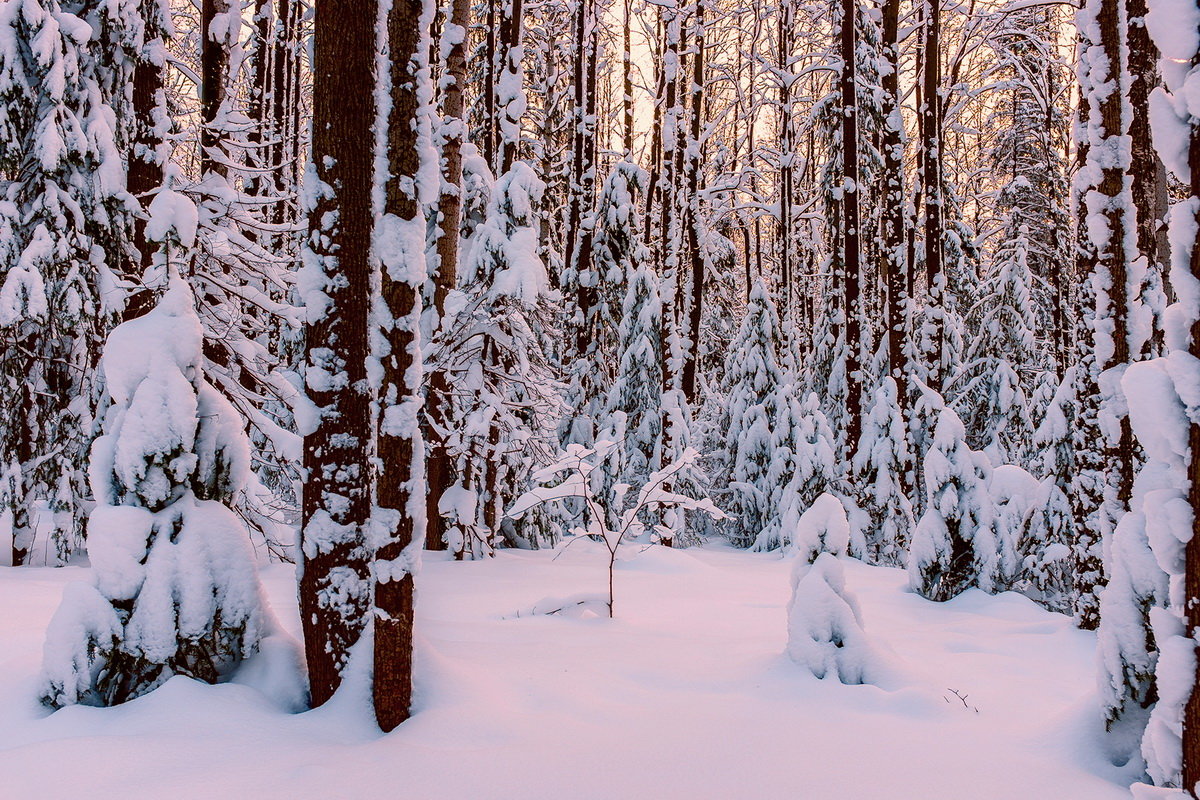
(823,528)
(825,629)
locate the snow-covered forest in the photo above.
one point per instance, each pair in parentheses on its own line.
(787,398)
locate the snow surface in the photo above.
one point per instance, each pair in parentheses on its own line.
(688,693)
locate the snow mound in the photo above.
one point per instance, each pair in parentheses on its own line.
(825,629)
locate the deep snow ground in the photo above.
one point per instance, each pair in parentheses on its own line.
(685,695)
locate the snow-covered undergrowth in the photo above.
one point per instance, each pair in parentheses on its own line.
(688,693)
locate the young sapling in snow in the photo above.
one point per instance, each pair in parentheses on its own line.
(573,472)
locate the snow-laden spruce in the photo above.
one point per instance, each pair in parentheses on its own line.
(753,420)
(882,461)
(501,408)
(952,545)
(618,251)
(65,222)
(633,404)
(174,586)
(990,396)
(1048,572)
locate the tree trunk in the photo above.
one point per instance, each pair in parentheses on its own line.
(851,239)
(627,79)
(400,493)
(583,167)
(145,171)
(336,507)
(931,180)
(439,471)
(1191,584)
(695,159)
(214,73)
(1145,166)
(1112,258)
(895,264)
(510,70)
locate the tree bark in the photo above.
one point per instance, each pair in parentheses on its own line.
(851,239)
(399,493)
(1113,258)
(439,465)
(336,503)
(695,159)
(895,263)
(214,73)
(931,180)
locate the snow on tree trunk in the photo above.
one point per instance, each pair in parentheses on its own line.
(175,588)
(1161,553)
(336,281)
(409,185)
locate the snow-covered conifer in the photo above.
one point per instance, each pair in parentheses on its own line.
(952,548)
(65,219)
(175,589)
(1046,548)
(991,397)
(882,461)
(752,398)
(619,251)
(503,400)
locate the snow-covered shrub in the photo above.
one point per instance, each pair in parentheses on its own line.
(952,548)
(175,590)
(825,629)
(823,528)
(1012,491)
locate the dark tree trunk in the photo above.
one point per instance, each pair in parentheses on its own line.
(145,171)
(583,167)
(931,181)
(490,69)
(336,504)
(439,465)
(787,155)
(851,239)
(1145,167)
(1191,580)
(1114,258)
(692,220)
(214,72)
(627,80)
(895,264)
(510,66)
(398,493)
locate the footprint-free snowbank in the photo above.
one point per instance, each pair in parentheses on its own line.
(687,693)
